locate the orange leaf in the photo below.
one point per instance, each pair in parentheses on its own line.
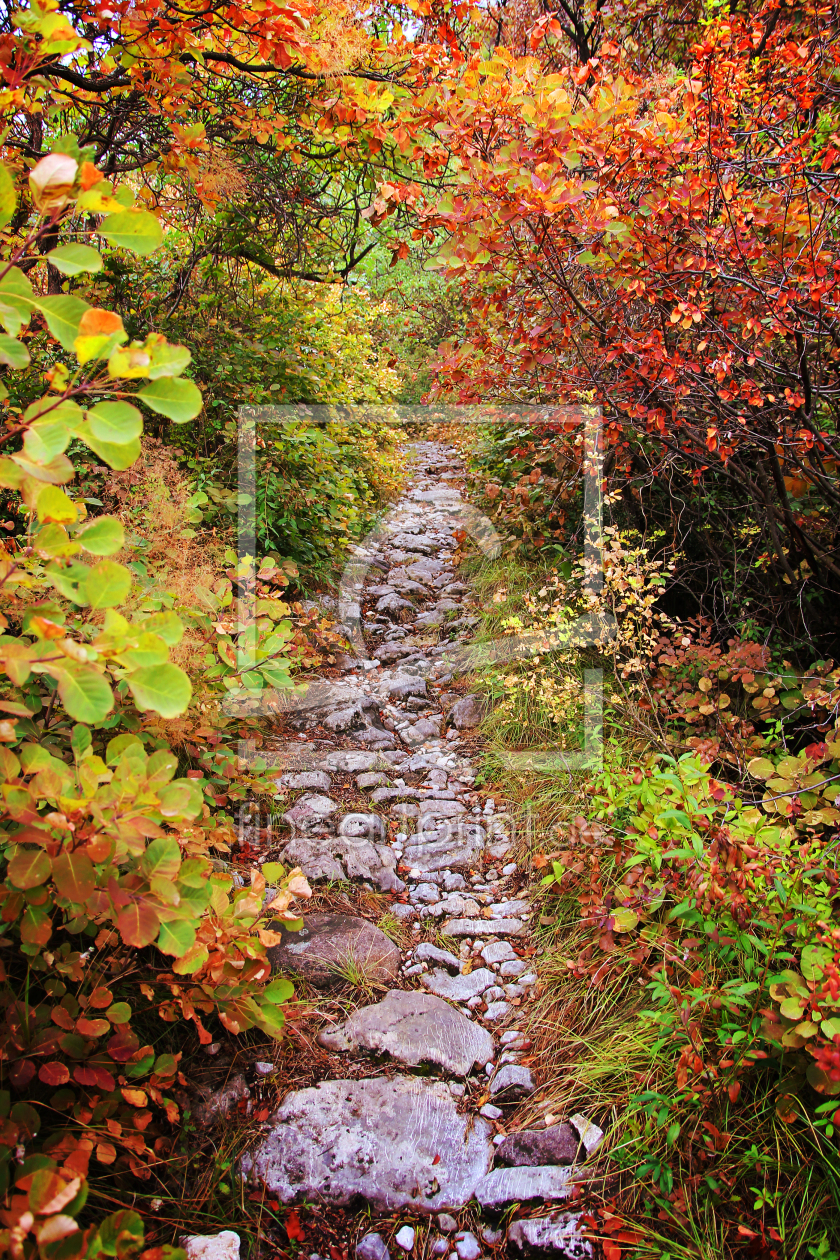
(89,176)
(97,323)
(106,1153)
(138,925)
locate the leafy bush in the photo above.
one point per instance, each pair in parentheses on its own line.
(116,923)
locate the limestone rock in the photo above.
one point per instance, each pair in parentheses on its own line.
(558,1144)
(307,779)
(329,944)
(427,952)
(560,1236)
(414,1028)
(347,856)
(504,1186)
(454,844)
(484,927)
(372,1247)
(404,1238)
(223,1246)
(467,1245)
(512,1081)
(442,809)
(458,988)
(405,685)
(309,812)
(397,1143)
(467,712)
(350,761)
(590,1134)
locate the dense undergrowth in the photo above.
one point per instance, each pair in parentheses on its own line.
(137,641)
(691,981)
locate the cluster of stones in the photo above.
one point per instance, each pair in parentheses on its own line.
(404,1140)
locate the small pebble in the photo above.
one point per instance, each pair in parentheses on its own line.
(446,1223)
(467,1245)
(265,1069)
(404,1238)
(490,1112)
(510,869)
(372,1247)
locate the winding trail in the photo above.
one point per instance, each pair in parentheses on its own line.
(381,789)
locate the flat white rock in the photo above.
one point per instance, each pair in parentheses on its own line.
(397,1143)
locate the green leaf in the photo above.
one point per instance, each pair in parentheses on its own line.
(108,584)
(167,360)
(119,1013)
(168,625)
(8,195)
(624,919)
(278,991)
(72,260)
(118,457)
(45,439)
(177,399)
(273,871)
(80,741)
(672,1134)
(149,649)
(117,423)
(815,958)
(102,537)
(118,745)
(176,938)
(13,353)
(137,230)
(54,505)
(163,857)
(163,688)
(84,692)
(15,300)
(63,315)
(181,799)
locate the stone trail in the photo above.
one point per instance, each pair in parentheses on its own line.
(418,1141)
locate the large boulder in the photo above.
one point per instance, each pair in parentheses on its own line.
(395,1142)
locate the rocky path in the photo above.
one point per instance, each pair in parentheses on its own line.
(380,788)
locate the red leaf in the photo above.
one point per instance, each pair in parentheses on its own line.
(294,1229)
(54,1073)
(92,1027)
(21,1073)
(74,876)
(138,924)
